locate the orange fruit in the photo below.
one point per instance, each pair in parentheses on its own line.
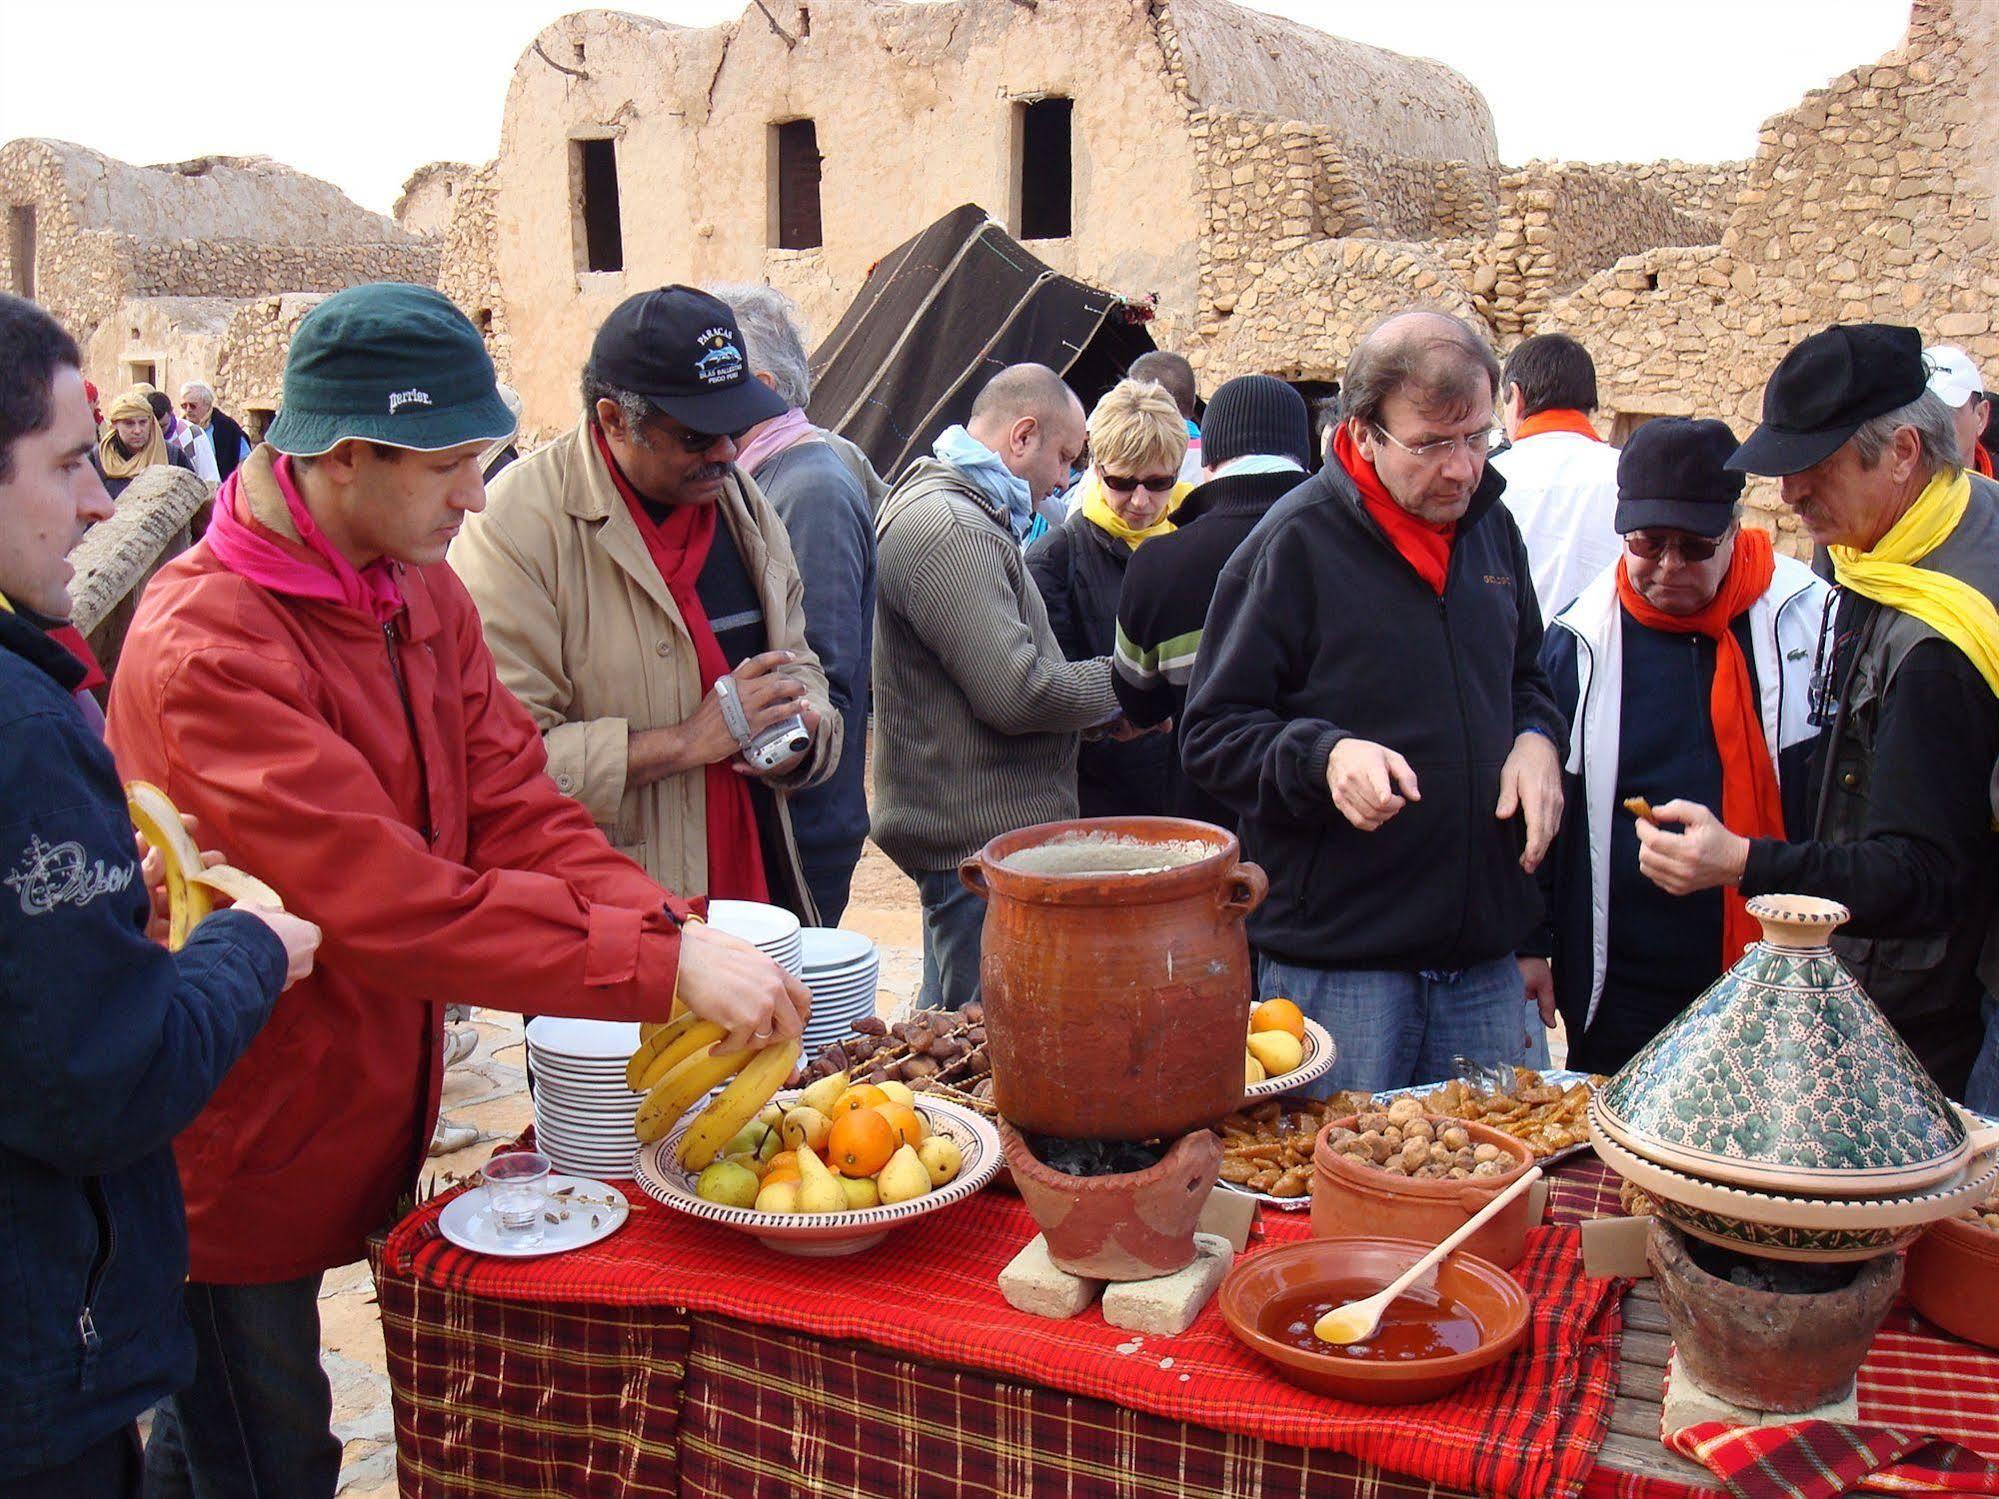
(1278,1015)
(905,1121)
(788,1174)
(784,1160)
(861,1096)
(861,1142)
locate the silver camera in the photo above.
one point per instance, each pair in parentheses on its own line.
(771,748)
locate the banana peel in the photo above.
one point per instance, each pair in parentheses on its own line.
(188,882)
(739,1103)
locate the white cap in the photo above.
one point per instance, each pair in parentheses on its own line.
(1952,374)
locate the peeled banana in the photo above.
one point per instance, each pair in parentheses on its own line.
(188,883)
(740,1102)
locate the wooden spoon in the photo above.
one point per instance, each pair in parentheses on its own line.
(1356,1321)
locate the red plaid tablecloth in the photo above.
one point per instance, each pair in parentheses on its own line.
(1529,1427)
(1929,1424)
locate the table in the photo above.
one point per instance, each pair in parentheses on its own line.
(674,1401)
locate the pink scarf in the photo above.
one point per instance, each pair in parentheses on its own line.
(767,439)
(251,553)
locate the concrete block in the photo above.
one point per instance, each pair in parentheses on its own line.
(1031,1283)
(1687,1404)
(1169,1304)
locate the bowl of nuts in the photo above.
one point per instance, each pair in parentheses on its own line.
(1407,1174)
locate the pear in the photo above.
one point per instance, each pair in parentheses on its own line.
(1279,1051)
(941,1157)
(861,1192)
(778,1197)
(904,1177)
(821,1094)
(819,1191)
(806,1127)
(772,1114)
(898,1092)
(728,1182)
(773,1143)
(749,1140)
(1252,1070)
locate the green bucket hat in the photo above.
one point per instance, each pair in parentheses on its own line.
(388,363)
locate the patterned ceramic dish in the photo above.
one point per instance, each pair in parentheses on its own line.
(659,1175)
(1320,1054)
(1783,1227)
(1784,1076)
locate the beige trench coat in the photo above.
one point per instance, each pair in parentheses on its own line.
(587,636)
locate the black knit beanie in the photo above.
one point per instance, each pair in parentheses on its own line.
(1255,414)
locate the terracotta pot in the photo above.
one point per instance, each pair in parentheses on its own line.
(1768,1350)
(1352,1268)
(1950,1274)
(1131,1225)
(1117,1004)
(1351,1199)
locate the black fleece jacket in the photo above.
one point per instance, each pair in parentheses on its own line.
(1320,631)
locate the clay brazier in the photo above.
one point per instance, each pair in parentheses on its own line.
(1768,1350)
(1130,1225)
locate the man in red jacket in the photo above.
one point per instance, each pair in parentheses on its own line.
(311,682)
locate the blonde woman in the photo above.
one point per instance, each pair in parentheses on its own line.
(132,443)
(1137,439)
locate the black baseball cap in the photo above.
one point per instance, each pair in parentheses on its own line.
(680,349)
(1825,388)
(1673,475)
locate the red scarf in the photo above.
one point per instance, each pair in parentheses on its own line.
(1424,546)
(1556,419)
(1981,458)
(1750,804)
(70,638)
(679,548)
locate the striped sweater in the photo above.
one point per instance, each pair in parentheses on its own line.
(977,714)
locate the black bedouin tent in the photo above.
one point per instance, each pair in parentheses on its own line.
(942,313)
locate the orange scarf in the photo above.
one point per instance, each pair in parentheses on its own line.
(1424,546)
(1981,459)
(1556,419)
(1751,806)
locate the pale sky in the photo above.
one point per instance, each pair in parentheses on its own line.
(362,92)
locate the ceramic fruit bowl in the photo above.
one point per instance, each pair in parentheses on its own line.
(1784,1076)
(1951,1272)
(1264,1289)
(660,1175)
(1321,1053)
(1791,1227)
(1349,1197)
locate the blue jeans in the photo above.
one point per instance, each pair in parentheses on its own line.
(1982,1091)
(954,923)
(1394,1029)
(258,1419)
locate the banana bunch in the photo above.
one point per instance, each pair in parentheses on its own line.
(676,1066)
(188,883)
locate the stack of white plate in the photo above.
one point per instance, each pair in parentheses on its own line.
(772,930)
(582,1109)
(842,970)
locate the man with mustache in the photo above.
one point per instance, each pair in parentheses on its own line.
(632,580)
(1368,699)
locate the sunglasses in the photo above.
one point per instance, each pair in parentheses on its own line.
(1690,548)
(691,442)
(1154,483)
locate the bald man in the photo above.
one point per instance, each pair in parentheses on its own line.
(1368,699)
(977,713)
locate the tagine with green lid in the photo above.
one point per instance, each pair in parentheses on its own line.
(1785,1076)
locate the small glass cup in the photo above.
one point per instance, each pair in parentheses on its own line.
(517,1192)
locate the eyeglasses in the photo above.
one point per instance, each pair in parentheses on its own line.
(1690,548)
(1154,483)
(1436,452)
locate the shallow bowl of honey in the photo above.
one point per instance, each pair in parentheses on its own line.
(1430,1341)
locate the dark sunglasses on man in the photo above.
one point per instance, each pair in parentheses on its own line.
(692,442)
(1690,548)
(1152,483)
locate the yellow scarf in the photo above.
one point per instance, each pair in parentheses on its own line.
(117,464)
(1097,510)
(5,607)
(1889,575)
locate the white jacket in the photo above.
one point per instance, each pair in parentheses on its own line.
(1562,490)
(1784,628)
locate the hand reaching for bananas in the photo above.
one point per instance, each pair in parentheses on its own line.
(726,980)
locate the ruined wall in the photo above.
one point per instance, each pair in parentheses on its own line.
(180,337)
(250,373)
(470,273)
(1872,200)
(430,196)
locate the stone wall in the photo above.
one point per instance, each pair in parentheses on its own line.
(243,268)
(430,196)
(251,373)
(469,273)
